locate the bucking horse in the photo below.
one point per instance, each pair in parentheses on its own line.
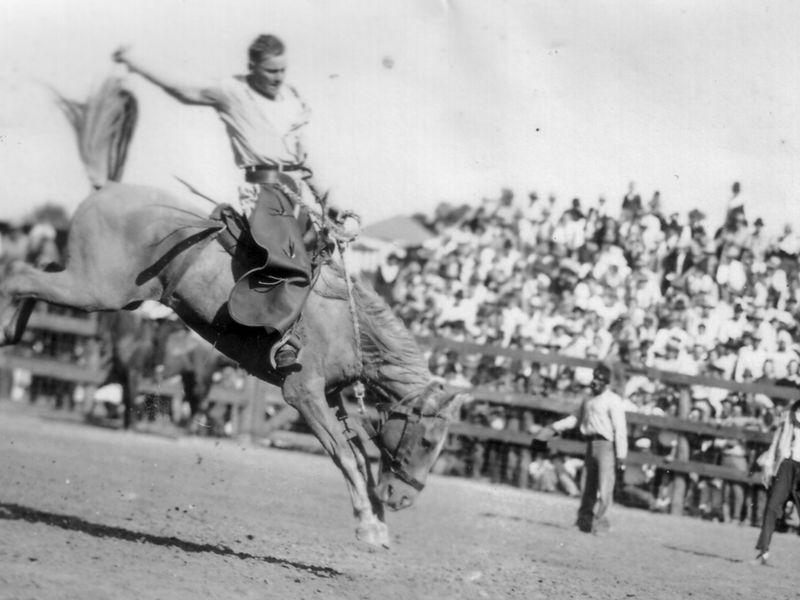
(131,243)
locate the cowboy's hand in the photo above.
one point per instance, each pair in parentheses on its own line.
(348,221)
(620,465)
(351,225)
(766,478)
(335,214)
(541,438)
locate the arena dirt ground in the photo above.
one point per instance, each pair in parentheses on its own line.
(92,513)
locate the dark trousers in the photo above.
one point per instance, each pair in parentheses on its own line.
(784,487)
(598,490)
(273,289)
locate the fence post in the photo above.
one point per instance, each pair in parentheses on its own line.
(93,361)
(525,452)
(477,458)
(682,454)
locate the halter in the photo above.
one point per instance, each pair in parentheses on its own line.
(389,457)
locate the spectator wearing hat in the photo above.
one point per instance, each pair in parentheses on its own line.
(758,242)
(731,273)
(750,358)
(601,420)
(733,328)
(782,355)
(781,474)
(777,283)
(631,203)
(788,244)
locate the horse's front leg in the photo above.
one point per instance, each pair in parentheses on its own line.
(357,437)
(307,394)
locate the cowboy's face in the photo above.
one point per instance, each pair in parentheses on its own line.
(268,74)
(598,384)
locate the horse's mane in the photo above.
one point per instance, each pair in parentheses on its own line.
(385,341)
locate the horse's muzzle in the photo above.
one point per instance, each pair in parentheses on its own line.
(395,494)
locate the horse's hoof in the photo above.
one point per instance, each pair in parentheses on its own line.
(375,535)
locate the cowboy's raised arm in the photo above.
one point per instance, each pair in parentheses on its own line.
(170,83)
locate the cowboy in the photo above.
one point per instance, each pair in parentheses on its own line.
(781,474)
(264,119)
(601,420)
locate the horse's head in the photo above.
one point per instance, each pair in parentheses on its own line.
(410,439)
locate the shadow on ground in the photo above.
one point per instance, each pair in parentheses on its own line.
(16,512)
(704,554)
(491,515)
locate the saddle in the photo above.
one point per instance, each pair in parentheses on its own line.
(275,259)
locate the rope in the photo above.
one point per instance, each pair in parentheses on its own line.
(358,388)
(334,228)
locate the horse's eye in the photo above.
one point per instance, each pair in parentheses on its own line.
(426,444)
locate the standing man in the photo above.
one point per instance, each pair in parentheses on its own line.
(781,468)
(601,420)
(264,120)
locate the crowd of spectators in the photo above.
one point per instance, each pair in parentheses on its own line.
(633,283)
(650,288)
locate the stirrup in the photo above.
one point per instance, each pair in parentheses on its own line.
(273,351)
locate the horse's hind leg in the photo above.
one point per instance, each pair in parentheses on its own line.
(67,288)
(19,320)
(307,394)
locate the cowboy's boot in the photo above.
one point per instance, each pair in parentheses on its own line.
(284,355)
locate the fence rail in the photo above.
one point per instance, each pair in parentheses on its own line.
(680,464)
(251,401)
(547,358)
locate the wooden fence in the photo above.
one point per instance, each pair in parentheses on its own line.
(250,404)
(680,465)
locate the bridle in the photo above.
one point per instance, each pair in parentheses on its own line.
(389,458)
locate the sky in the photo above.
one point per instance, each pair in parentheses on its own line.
(416,102)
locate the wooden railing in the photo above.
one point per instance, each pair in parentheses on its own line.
(250,402)
(680,465)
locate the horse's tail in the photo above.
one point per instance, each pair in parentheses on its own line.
(104,127)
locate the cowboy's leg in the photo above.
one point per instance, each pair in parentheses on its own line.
(779,492)
(589,495)
(306,392)
(277,224)
(604,452)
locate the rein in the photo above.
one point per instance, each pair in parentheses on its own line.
(358,388)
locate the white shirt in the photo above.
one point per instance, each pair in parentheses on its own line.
(261,131)
(602,415)
(795,445)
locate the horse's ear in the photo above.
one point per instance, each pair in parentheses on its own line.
(435,385)
(450,408)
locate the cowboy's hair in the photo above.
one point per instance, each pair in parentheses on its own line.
(264,46)
(602,371)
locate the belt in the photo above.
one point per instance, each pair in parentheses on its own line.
(266,173)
